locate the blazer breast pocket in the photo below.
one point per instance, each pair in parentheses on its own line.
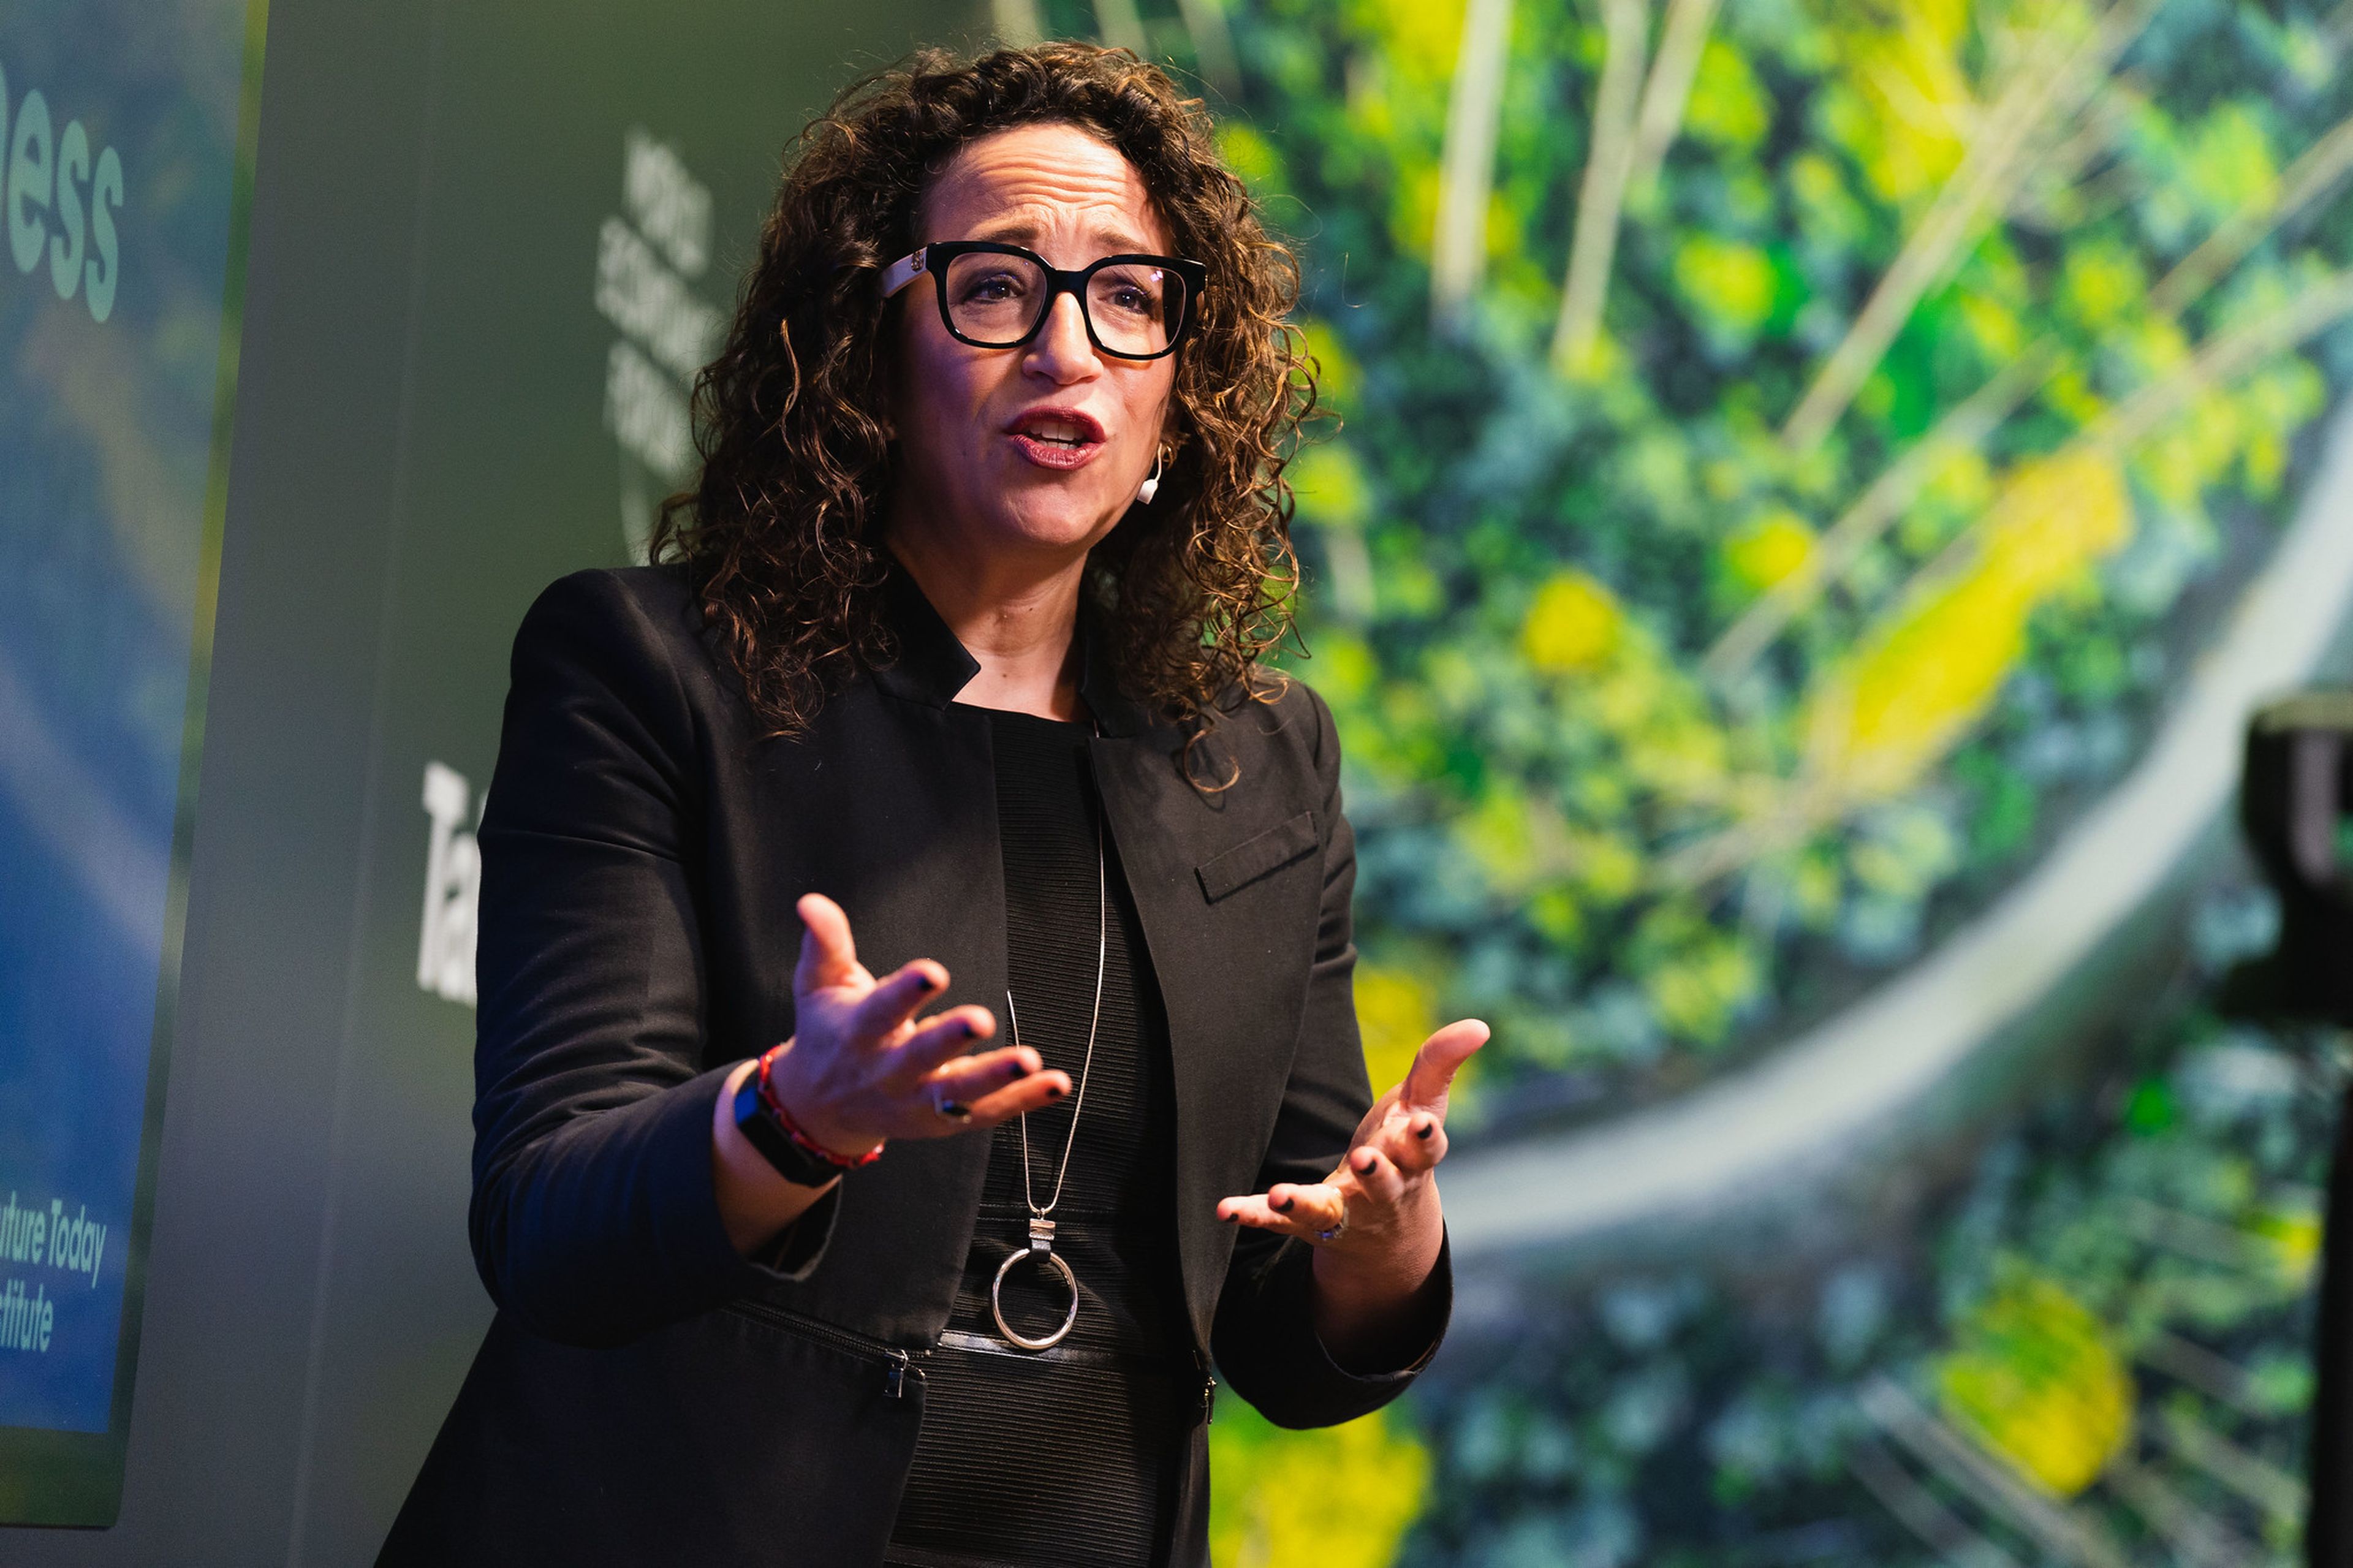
(1253,858)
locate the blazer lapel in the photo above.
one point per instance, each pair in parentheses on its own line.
(1232,976)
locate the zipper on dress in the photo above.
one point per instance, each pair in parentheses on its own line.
(897,1362)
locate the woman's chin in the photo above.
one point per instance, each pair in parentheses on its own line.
(1059,527)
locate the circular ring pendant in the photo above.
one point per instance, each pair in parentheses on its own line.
(996,1299)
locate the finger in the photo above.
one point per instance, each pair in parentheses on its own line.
(828,957)
(970,1079)
(1377,1174)
(1440,1058)
(1035,1092)
(1300,1209)
(1416,1143)
(941,1039)
(1256,1214)
(893,1001)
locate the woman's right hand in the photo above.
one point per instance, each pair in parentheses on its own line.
(862,1069)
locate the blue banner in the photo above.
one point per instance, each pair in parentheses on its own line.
(118,132)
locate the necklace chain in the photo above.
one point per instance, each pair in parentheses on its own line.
(1086,1066)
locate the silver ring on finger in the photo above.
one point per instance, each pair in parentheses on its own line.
(1337,1231)
(948,1109)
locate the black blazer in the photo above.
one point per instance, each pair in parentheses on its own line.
(644,1394)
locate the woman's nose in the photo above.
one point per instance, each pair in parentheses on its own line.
(1061,349)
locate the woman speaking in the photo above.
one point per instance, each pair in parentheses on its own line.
(916,1043)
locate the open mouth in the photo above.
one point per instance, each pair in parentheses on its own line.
(1056,437)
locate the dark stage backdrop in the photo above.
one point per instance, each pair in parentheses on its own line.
(489,243)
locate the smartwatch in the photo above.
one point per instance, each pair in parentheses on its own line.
(767,1129)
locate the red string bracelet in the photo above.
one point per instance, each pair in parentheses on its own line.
(791,1128)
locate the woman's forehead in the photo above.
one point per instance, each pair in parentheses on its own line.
(1044,184)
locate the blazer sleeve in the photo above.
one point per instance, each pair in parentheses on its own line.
(1263,1336)
(594,1216)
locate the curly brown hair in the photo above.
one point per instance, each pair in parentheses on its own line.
(781,536)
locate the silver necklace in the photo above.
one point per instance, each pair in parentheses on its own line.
(1041,1224)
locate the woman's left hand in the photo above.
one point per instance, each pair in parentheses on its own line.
(1377,1214)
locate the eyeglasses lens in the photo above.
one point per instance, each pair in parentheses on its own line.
(1135,309)
(996,299)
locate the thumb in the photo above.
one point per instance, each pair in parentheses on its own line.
(829,956)
(1440,1058)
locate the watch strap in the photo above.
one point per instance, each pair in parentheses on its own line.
(793,1161)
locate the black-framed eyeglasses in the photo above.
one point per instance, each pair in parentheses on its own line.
(996,295)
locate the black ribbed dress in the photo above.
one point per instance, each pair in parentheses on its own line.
(1070,1455)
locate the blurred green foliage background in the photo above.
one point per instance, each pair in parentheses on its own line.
(1788,453)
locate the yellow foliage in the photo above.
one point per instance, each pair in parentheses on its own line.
(1961,480)
(2101,282)
(2034,1378)
(1814,889)
(2271,408)
(2172,469)
(2156,345)
(2293,1238)
(1770,549)
(1413,208)
(1729,283)
(1341,1497)
(1555,913)
(1336,367)
(1918,680)
(1344,668)
(1994,325)
(2212,431)
(1505,237)
(1607,868)
(1728,106)
(1603,359)
(2228,162)
(1680,755)
(1911,103)
(2069,392)
(1330,487)
(1697,994)
(1826,211)
(1500,836)
(1251,156)
(1418,36)
(1395,1012)
(1573,626)
(1633,691)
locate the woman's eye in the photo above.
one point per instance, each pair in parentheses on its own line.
(992,290)
(1127,299)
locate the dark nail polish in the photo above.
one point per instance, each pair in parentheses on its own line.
(1014,1069)
(1365,1167)
(971,1029)
(1426,1128)
(1284,1206)
(1053,1092)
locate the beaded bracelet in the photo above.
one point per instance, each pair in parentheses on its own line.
(791,1128)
